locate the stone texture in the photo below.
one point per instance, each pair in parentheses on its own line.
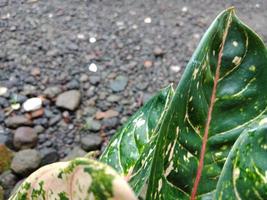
(119,83)
(16,121)
(25,162)
(69,100)
(24,138)
(91,142)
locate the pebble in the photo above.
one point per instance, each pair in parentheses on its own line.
(92,67)
(16,121)
(69,100)
(74,153)
(113,98)
(32,104)
(8,180)
(36,71)
(94,80)
(106,114)
(158,52)
(26,161)
(49,155)
(25,138)
(54,120)
(92,125)
(175,68)
(148,64)
(91,142)
(37,113)
(119,84)
(52,92)
(3,91)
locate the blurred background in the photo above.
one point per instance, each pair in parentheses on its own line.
(72,71)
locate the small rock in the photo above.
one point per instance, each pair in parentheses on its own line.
(3,91)
(69,100)
(94,80)
(24,138)
(84,78)
(74,153)
(106,114)
(73,84)
(119,83)
(37,113)
(54,120)
(91,142)
(29,90)
(26,161)
(49,156)
(113,98)
(2,116)
(6,156)
(92,125)
(148,64)
(32,104)
(38,129)
(52,92)
(36,71)
(8,180)
(110,123)
(158,52)
(16,121)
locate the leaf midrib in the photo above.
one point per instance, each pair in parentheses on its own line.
(210,109)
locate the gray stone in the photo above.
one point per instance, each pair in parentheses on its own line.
(119,83)
(74,153)
(94,80)
(69,100)
(92,125)
(52,92)
(26,161)
(49,155)
(54,120)
(16,121)
(25,138)
(8,180)
(113,98)
(91,142)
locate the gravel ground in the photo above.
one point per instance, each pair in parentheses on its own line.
(92,63)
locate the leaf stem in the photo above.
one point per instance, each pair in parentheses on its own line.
(212,102)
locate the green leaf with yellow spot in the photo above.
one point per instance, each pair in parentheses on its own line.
(218,103)
(131,148)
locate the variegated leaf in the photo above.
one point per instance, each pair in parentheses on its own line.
(221,94)
(132,146)
(81,178)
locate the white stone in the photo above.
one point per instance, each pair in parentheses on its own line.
(3,91)
(92,39)
(184,9)
(147,20)
(81,36)
(32,104)
(92,67)
(175,68)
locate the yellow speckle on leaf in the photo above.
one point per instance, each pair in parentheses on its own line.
(235,43)
(236,60)
(252,68)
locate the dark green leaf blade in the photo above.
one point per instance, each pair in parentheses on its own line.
(240,99)
(244,175)
(128,144)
